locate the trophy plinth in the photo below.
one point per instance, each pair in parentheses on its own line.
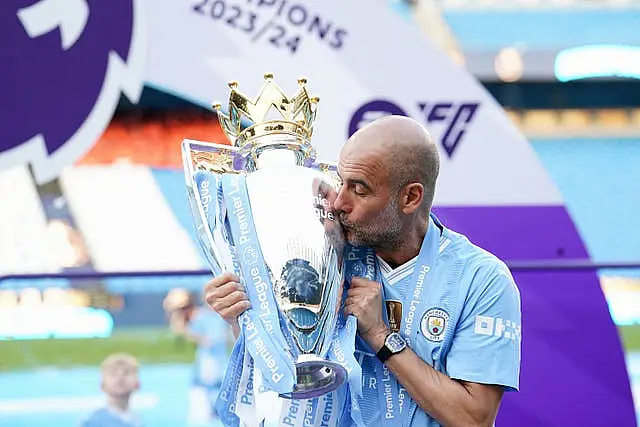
(289,211)
(316,376)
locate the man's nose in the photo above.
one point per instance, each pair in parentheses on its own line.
(341,203)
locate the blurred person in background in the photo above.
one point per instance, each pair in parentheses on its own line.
(205,328)
(119,382)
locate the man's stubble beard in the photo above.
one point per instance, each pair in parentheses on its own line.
(384,233)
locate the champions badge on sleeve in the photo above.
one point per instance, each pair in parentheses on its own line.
(263,209)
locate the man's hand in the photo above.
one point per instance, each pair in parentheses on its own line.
(364,301)
(226,296)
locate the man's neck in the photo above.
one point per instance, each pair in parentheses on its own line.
(408,247)
(121,404)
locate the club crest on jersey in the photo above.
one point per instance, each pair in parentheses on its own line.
(394,314)
(433,324)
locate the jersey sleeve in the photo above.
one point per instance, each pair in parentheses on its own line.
(487,340)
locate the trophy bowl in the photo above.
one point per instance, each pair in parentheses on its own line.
(289,212)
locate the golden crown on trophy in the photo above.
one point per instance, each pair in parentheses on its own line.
(298,114)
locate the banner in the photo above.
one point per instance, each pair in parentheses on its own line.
(67,63)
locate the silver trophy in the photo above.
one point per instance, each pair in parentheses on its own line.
(290,196)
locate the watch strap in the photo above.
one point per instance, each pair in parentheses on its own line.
(386,352)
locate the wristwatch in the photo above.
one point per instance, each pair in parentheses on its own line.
(393,344)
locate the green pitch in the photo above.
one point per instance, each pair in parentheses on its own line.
(630,337)
(150,346)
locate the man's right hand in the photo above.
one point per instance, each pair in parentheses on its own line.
(226,296)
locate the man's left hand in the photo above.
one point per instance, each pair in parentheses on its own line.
(364,301)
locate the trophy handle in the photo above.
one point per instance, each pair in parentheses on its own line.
(210,157)
(330,169)
(213,160)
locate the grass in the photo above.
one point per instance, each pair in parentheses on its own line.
(630,337)
(149,345)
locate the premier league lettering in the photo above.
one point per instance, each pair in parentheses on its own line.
(247,396)
(339,353)
(310,413)
(262,350)
(322,208)
(292,414)
(415,301)
(401,397)
(370,266)
(205,195)
(279,23)
(448,120)
(387,385)
(327,412)
(251,257)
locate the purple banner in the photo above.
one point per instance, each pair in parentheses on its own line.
(573,369)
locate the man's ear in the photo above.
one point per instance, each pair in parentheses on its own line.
(411,197)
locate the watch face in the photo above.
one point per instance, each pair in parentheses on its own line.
(395,343)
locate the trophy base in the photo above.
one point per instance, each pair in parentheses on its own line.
(316,376)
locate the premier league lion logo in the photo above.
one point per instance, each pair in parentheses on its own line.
(300,283)
(64,65)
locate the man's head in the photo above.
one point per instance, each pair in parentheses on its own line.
(120,375)
(388,170)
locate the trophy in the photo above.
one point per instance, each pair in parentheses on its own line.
(297,259)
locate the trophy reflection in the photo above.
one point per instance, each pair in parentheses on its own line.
(299,285)
(290,194)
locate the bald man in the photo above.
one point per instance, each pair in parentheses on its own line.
(455,344)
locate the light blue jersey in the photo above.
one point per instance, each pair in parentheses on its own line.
(465,323)
(458,308)
(107,417)
(211,356)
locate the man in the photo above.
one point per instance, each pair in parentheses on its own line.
(457,346)
(208,331)
(119,382)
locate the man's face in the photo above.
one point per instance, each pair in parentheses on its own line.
(367,203)
(120,380)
